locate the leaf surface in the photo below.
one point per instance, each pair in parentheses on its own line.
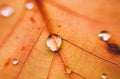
(82,55)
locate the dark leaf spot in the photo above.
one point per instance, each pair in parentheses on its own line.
(59,26)
(32,19)
(114,48)
(23,48)
(7,62)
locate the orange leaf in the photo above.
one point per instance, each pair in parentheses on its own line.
(82,55)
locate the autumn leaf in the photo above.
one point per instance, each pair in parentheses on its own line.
(83,55)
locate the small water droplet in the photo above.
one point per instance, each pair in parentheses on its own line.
(54,42)
(6,11)
(104,76)
(104,35)
(15,61)
(29,5)
(68,70)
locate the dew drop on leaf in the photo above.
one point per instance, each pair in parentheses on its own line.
(29,5)
(68,70)
(15,61)
(104,35)
(104,76)
(54,42)
(6,11)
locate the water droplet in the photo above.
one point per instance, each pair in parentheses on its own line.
(15,61)
(54,42)
(29,5)
(6,11)
(104,35)
(104,76)
(68,70)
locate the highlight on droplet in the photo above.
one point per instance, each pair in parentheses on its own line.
(29,5)
(6,11)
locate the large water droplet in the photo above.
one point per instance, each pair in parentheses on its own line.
(15,61)
(29,5)
(6,11)
(104,76)
(54,42)
(104,35)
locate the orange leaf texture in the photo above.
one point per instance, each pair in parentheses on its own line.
(90,39)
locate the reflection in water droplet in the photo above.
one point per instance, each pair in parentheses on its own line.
(54,42)
(6,11)
(105,36)
(29,5)
(68,70)
(104,76)
(15,61)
